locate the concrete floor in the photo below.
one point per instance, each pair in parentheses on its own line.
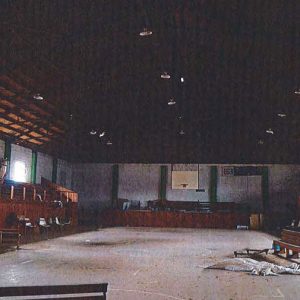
(148,263)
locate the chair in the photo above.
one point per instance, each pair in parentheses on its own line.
(52,225)
(59,224)
(28,226)
(44,227)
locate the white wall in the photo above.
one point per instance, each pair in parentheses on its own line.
(93,182)
(189,195)
(2,148)
(284,182)
(246,190)
(19,153)
(44,167)
(139,182)
(64,173)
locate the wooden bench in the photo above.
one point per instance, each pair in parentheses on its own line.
(9,237)
(68,292)
(285,247)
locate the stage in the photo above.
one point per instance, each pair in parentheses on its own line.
(183,219)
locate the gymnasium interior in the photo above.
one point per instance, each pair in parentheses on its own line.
(149,149)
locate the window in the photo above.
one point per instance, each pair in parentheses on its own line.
(19,171)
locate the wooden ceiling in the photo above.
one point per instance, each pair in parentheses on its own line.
(239,61)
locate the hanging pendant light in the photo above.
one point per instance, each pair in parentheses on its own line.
(270,131)
(38,97)
(102,134)
(171,102)
(93,132)
(146,32)
(281,115)
(165,75)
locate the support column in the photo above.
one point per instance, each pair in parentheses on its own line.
(265,188)
(163,182)
(54,170)
(213,184)
(7,156)
(115,185)
(33,167)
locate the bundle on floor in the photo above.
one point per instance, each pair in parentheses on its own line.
(255,267)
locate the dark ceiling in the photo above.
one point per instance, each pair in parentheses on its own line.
(239,60)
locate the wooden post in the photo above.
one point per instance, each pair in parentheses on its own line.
(24,193)
(11,192)
(34,194)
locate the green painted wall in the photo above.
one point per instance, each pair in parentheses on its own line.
(213,184)
(265,188)
(163,182)
(115,185)
(7,155)
(33,166)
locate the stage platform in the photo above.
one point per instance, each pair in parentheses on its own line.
(148,218)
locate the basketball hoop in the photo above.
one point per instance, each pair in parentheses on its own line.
(184,185)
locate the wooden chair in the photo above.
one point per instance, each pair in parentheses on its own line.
(84,291)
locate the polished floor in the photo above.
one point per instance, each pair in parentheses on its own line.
(148,263)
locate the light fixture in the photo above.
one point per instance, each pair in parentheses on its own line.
(281,115)
(145,32)
(181,132)
(38,97)
(297,91)
(109,143)
(171,102)
(102,134)
(93,132)
(165,75)
(182,79)
(270,131)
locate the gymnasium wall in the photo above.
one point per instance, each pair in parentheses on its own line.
(23,154)
(284,187)
(44,165)
(64,173)
(141,182)
(93,182)
(2,146)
